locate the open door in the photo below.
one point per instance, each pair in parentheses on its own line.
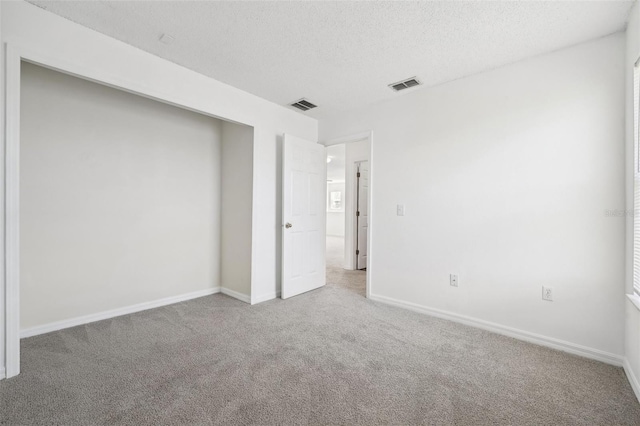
(304,179)
(362,214)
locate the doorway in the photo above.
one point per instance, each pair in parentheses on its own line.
(347,202)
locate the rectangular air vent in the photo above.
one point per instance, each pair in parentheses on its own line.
(405,84)
(303,104)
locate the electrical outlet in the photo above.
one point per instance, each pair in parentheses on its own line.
(547,293)
(453,280)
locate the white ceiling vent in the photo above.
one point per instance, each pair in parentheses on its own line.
(303,105)
(405,84)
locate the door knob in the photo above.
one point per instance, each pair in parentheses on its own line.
(288,225)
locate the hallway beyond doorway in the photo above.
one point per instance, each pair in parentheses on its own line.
(337,276)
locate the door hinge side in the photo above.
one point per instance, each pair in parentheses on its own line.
(358,174)
(357,252)
(357,213)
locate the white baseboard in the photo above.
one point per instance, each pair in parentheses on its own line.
(633,380)
(2,373)
(72,322)
(538,339)
(236,295)
(265,297)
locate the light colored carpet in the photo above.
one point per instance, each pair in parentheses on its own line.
(353,281)
(323,358)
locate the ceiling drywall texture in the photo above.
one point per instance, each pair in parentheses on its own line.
(341,55)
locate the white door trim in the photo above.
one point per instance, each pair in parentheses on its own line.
(16,51)
(350,256)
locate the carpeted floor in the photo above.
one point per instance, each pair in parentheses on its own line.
(353,281)
(323,358)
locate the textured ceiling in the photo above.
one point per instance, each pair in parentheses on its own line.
(341,55)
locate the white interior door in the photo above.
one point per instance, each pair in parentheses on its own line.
(304,179)
(362,214)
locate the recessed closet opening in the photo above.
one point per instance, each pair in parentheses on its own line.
(126,203)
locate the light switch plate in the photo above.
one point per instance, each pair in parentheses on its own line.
(400,210)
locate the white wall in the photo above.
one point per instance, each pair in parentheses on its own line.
(237,190)
(120,199)
(100,56)
(335,219)
(2,216)
(335,223)
(632,336)
(506,177)
(94,55)
(336,182)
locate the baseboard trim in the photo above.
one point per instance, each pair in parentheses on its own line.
(236,295)
(633,380)
(265,297)
(538,339)
(72,322)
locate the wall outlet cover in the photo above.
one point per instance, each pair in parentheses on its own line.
(453,280)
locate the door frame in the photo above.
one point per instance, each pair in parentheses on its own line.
(350,233)
(16,51)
